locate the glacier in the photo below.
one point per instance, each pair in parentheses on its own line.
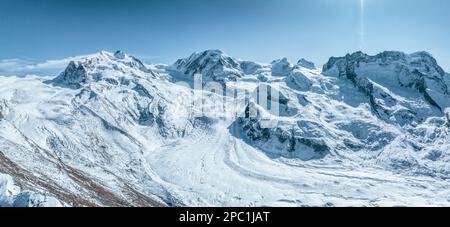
(111,130)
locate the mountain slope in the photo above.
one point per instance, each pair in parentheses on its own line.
(89,127)
(113,131)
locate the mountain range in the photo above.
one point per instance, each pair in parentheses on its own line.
(111,130)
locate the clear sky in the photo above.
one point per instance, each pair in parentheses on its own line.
(260,30)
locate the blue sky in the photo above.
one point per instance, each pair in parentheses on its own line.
(260,30)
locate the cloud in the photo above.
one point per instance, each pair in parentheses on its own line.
(22,67)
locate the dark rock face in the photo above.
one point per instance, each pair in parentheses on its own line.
(146,118)
(74,75)
(447,116)
(254,131)
(142,91)
(3,108)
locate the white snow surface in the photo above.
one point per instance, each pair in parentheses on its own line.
(11,196)
(112,131)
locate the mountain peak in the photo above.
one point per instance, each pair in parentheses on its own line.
(306,64)
(95,67)
(281,67)
(212,64)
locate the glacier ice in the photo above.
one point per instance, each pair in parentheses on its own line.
(112,131)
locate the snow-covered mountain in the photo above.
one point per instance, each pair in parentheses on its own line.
(212,64)
(113,131)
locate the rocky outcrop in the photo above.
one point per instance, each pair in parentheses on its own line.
(306,64)
(281,67)
(298,80)
(3,108)
(74,76)
(300,139)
